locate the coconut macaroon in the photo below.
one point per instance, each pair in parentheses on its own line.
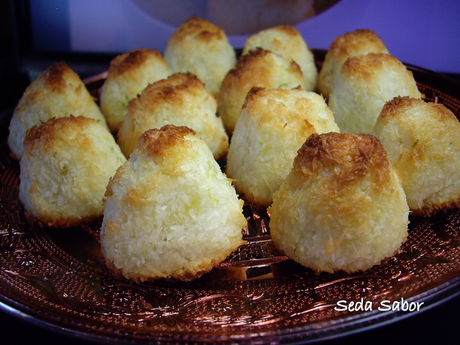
(65,168)
(423,142)
(57,92)
(260,68)
(358,42)
(342,207)
(286,41)
(364,84)
(127,76)
(200,47)
(181,100)
(170,212)
(272,126)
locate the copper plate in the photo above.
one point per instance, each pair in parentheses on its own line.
(55,277)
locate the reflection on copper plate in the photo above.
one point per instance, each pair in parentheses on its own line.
(57,276)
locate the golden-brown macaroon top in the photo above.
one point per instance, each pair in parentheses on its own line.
(200,47)
(126,62)
(250,63)
(422,140)
(169,89)
(355,154)
(272,125)
(199,29)
(366,66)
(364,84)
(302,112)
(128,75)
(56,92)
(170,211)
(342,207)
(360,41)
(182,100)
(259,67)
(53,76)
(287,42)
(65,168)
(257,100)
(56,78)
(397,105)
(62,127)
(155,142)
(48,130)
(288,30)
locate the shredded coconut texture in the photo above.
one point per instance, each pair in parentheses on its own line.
(365,83)
(128,75)
(169,211)
(358,42)
(286,41)
(57,92)
(260,68)
(272,126)
(65,169)
(180,100)
(201,48)
(342,207)
(423,142)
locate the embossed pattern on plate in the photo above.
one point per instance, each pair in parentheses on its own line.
(56,276)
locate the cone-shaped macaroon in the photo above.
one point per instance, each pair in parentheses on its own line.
(169,211)
(201,48)
(358,42)
(180,100)
(261,68)
(128,75)
(65,168)
(365,83)
(342,207)
(423,142)
(57,92)
(286,41)
(272,126)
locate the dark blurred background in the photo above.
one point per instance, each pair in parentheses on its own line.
(87,34)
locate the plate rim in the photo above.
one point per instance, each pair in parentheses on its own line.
(432,297)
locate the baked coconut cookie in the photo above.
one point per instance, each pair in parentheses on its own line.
(364,84)
(358,42)
(170,212)
(272,125)
(342,207)
(128,75)
(261,68)
(65,168)
(286,41)
(180,100)
(423,142)
(57,92)
(201,48)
